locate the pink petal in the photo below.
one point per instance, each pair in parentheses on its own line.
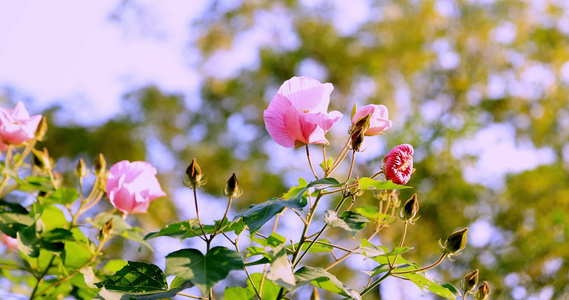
(297,127)
(307,94)
(379,118)
(20,112)
(275,122)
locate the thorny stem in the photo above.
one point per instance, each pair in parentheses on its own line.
(424,268)
(310,162)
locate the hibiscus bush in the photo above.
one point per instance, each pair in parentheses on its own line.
(56,243)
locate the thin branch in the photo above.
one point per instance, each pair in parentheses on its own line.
(310,162)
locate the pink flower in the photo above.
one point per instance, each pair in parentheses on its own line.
(398,164)
(379,118)
(10,242)
(131,186)
(16,126)
(298,115)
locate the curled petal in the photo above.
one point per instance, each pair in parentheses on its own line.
(398,164)
(379,118)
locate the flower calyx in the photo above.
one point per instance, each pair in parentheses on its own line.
(194,175)
(410,209)
(455,242)
(232,188)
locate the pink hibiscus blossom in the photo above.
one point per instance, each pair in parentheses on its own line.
(131,186)
(379,118)
(398,164)
(297,115)
(16,126)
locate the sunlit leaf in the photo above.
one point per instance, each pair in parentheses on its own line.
(351,221)
(280,271)
(322,279)
(204,271)
(371,184)
(136,277)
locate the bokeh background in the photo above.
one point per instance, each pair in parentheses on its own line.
(480,88)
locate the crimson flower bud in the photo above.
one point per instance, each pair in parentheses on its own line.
(232,188)
(456,241)
(410,209)
(470,281)
(398,164)
(483,291)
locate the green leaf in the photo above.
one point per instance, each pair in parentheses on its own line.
(52,217)
(370,250)
(114,265)
(316,248)
(351,221)
(76,254)
(36,183)
(425,281)
(62,196)
(136,277)
(228,226)
(15,208)
(180,282)
(238,293)
(269,290)
(272,240)
(329,163)
(259,214)
(13,218)
(371,184)
(281,268)
(203,270)
(175,230)
(322,279)
(29,241)
(58,235)
(323,183)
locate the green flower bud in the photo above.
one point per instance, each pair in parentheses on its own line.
(100,165)
(42,129)
(42,160)
(483,292)
(232,188)
(456,241)
(470,281)
(81,169)
(194,175)
(105,232)
(410,209)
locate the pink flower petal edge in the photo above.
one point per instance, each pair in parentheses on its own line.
(379,118)
(132,185)
(298,113)
(16,126)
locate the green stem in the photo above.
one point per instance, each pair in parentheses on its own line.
(41,277)
(375,283)
(190,296)
(423,268)
(401,243)
(198,214)
(352,165)
(310,162)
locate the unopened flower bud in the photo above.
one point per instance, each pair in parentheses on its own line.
(42,160)
(358,132)
(100,165)
(483,292)
(194,175)
(105,232)
(456,241)
(81,169)
(470,281)
(42,129)
(315,295)
(410,209)
(232,188)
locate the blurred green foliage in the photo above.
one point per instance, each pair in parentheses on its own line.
(400,49)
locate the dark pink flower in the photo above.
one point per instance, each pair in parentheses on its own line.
(131,186)
(16,126)
(398,164)
(298,115)
(379,118)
